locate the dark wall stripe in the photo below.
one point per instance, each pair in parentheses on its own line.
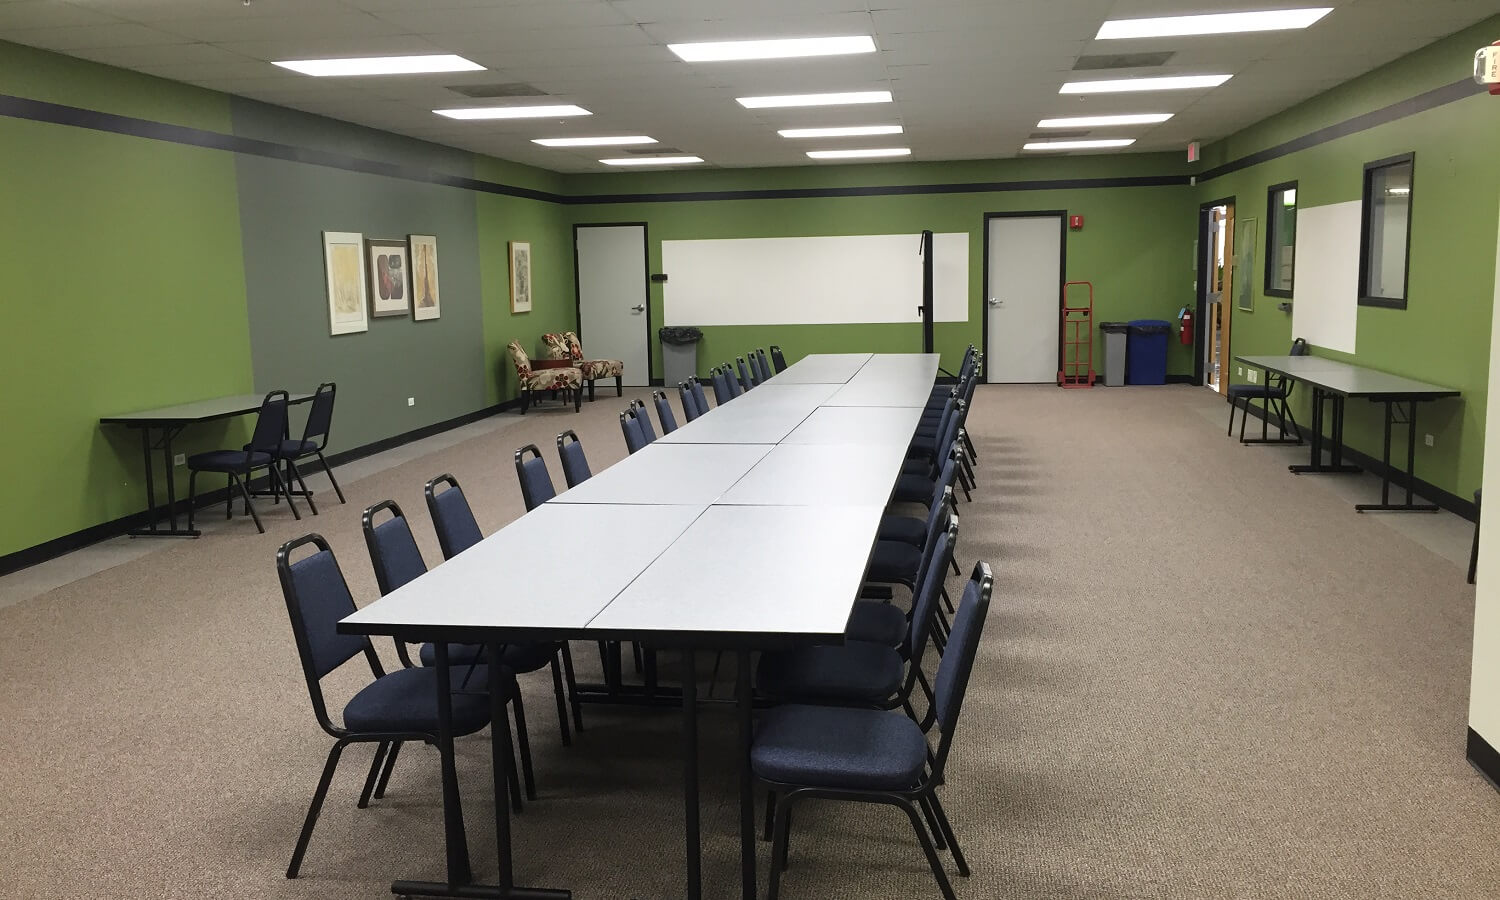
(1458,90)
(982,187)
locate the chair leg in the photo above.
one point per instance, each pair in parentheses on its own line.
(591,390)
(635,651)
(927,849)
(1473,553)
(619,386)
(307,494)
(525,400)
(572,682)
(1233,408)
(578,398)
(314,809)
(523,741)
(500,731)
(562,703)
(1244,414)
(229,499)
(245,492)
(192,495)
(778,841)
(328,470)
(770,815)
(385,774)
(932,824)
(278,484)
(370,779)
(947,831)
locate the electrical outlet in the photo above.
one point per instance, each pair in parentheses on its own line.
(1251,376)
(181,458)
(411,401)
(1239,370)
(1429,440)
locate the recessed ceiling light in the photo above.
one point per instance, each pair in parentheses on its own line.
(815,99)
(859,154)
(513,112)
(595,141)
(1213,23)
(853,131)
(1103,121)
(381,65)
(788,48)
(1079,145)
(653,161)
(1161,83)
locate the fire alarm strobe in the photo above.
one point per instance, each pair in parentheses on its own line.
(1075,223)
(1487,67)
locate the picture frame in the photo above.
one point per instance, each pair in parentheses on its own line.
(348,293)
(1244,265)
(520,276)
(426,300)
(388,268)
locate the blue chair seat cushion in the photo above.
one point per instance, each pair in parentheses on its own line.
(854,672)
(1252,391)
(877,623)
(228,460)
(894,562)
(906,529)
(913,487)
(916,466)
(294,448)
(518,658)
(855,749)
(406,700)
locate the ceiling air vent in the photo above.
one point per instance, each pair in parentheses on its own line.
(1058,135)
(487,91)
(653,150)
(1122,61)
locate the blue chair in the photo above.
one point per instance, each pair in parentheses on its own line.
(452,518)
(237,465)
(881,622)
(736,388)
(574,464)
(722,393)
(1273,395)
(765,367)
(747,379)
(697,385)
(664,412)
(778,358)
(393,708)
(802,752)
(647,430)
(536,483)
(315,436)
(690,410)
(630,426)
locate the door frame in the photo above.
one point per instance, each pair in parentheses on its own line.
(578,287)
(1200,334)
(984,287)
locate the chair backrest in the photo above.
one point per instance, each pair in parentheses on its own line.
(317,597)
(270,424)
(940,513)
(765,367)
(519,359)
(664,412)
(630,426)
(778,358)
(556,346)
(942,486)
(924,605)
(575,465)
(721,387)
(320,416)
(536,484)
(452,518)
(958,658)
(393,548)
(756,372)
(647,431)
(690,410)
(575,346)
(735,388)
(746,379)
(697,385)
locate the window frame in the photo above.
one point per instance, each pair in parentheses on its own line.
(1365,298)
(1271,230)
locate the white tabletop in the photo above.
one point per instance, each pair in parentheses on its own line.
(732,423)
(664,473)
(806,397)
(823,368)
(820,475)
(198,410)
(527,576)
(857,425)
(765,571)
(1346,378)
(890,379)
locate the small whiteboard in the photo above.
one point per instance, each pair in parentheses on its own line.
(846,279)
(1326,308)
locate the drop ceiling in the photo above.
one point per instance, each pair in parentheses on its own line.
(970,78)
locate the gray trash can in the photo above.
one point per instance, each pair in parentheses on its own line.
(679,353)
(1116,338)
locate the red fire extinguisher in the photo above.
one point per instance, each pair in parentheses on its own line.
(1185,333)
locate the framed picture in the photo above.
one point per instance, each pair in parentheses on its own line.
(520,276)
(424,277)
(1244,261)
(343,256)
(388,265)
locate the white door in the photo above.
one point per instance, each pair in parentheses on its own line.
(1023,299)
(612,296)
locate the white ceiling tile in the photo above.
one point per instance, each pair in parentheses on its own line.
(87,37)
(49,14)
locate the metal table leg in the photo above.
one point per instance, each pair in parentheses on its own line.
(1392,409)
(1335,437)
(745,705)
(152,529)
(690,776)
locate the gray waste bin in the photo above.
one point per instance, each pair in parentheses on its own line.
(1116,337)
(679,353)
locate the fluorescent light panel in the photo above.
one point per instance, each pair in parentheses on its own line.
(839,99)
(653,161)
(627,140)
(1213,23)
(513,112)
(1079,145)
(381,65)
(1161,83)
(859,154)
(852,131)
(1105,121)
(786,48)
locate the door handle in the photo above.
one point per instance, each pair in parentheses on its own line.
(996,301)
(639,307)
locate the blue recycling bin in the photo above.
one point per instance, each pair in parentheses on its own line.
(1146,354)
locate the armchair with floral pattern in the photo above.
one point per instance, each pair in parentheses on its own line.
(567,346)
(532,380)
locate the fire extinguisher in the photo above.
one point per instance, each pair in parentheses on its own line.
(1185,332)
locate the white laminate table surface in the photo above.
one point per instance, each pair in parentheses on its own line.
(901,379)
(198,410)
(1347,378)
(857,425)
(747,424)
(822,368)
(669,473)
(820,475)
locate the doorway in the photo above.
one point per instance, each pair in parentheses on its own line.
(1024,269)
(1215,293)
(614,296)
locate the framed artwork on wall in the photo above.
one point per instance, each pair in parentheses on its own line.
(425,303)
(1244,261)
(387,264)
(343,257)
(520,276)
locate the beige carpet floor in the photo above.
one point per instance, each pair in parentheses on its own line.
(1201,679)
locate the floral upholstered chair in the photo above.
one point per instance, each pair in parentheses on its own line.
(567,346)
(553,379)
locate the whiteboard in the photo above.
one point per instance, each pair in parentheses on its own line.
(846,279)
(1326,283)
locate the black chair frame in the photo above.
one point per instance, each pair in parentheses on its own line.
(319,423)
(240,478)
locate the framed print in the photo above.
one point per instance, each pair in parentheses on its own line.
(520,276)
(1244,261)
(424,277)
(388,265)
(343,256)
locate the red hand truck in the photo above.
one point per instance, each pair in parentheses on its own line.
(1077,340)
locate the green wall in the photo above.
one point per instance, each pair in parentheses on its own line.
(1443,334)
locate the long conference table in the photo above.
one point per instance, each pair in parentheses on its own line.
(749,528)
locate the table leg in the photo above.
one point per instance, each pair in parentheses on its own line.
(166,457)
(690,776)
(745,707)
(1336,462)
(150,476)
(153,528)
(453,813)
(1391,408)
(501,763)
